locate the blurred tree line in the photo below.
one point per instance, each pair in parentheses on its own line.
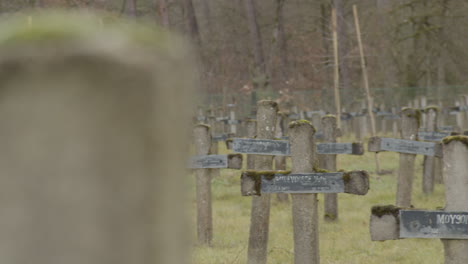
(412,47)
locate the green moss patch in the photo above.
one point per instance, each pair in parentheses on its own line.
(301,122)
(381,210)
(462,139)
(432,107)
(268,103)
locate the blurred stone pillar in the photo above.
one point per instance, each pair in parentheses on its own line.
(93,140)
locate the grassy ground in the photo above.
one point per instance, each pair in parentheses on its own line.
(345,241)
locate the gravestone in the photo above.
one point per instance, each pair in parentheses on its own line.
(91,129)
(408,148)
(431,165)
(280,161)
(450,225)
(260,212)
(303,184)
(202,163)
(327,160)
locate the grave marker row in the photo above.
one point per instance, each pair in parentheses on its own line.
(282,147)
(302,183)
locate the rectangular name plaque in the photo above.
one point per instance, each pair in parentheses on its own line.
(408,146)
(433,224)
(432,136)
(340,148)
(303,183)
(261,146)
(208,162)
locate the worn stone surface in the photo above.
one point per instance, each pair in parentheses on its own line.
(409,129)
(329,163)
(304,206)
(90,130)
(202,142)
(356,182)
(251,130)
(429,161)
(280,161)
(384,227)
(260,212)
(456,194)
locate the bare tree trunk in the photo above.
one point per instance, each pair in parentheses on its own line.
(281,39)
(130,8)
(192,22)
(255,37)
(163,13)
(206,14)
(345,80)
(325,11)
(441,54)
(38,3)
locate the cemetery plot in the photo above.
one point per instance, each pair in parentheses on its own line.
(377,144)
(282,148)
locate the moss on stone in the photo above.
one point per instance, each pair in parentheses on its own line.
(256,176)
(282,114)
(346,177)
(203,125)
(329,116)
(268,103)
(412,113)
(231,156)
(319,170)
(432,107)
(381,210)
(301,122)
(60,26)
(330,216)
(462,139)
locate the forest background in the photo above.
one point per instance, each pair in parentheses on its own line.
(282,49)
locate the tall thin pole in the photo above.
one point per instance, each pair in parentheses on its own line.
(337,70)
(370,100)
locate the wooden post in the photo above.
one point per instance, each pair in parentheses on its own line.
(410,119)
(370,99)
(329,163)
(90,169)
(429,172)
(260,213)
(304,206)
(280,161)
(336,69)
(202,142)
(456,194)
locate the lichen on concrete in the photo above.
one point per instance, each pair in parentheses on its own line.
(268,103)
(381,210)
(432,107)
(301,122)
(412,113)
(460,138)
